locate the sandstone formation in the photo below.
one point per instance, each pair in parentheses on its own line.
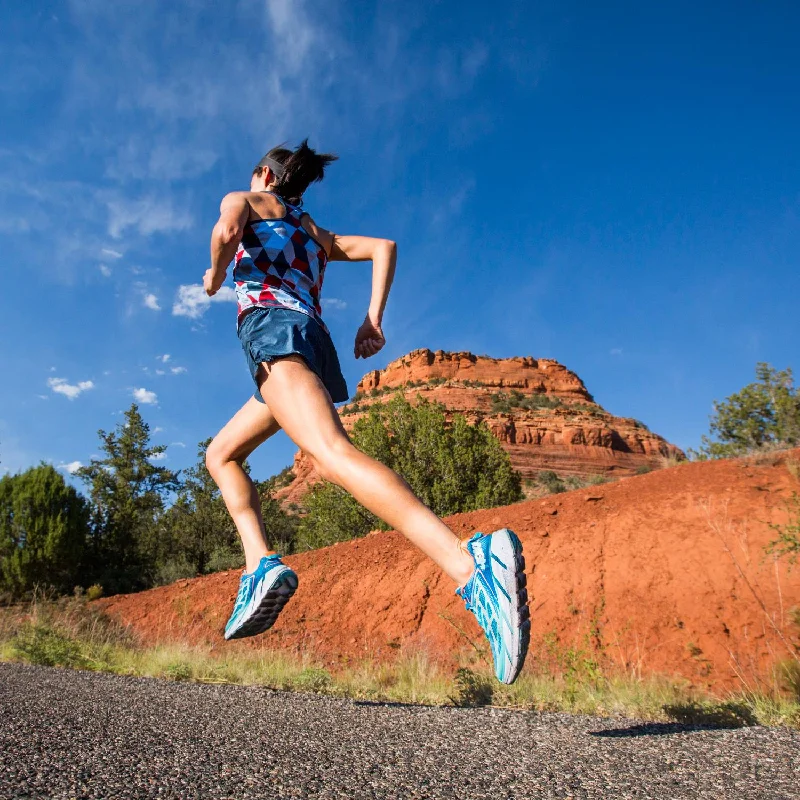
(567,432)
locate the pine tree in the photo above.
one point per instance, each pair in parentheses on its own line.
(43,530)
(127,492)
(764,414)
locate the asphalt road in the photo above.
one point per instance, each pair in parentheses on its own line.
(67,734)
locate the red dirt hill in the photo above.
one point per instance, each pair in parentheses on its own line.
(551,423)
(659,573)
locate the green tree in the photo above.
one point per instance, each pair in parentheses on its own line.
(43,529)
(451,467)
(199,534)
(127,491)
(765,413)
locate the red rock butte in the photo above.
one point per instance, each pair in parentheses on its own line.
(542,413)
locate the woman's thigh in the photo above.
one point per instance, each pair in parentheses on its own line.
(302,406)
(252,425)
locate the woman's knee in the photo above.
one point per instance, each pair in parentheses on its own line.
(329,460)
(217,456)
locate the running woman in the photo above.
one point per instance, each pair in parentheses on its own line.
(279,256)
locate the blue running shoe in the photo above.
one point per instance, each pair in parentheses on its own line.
(262,595)
(497,596)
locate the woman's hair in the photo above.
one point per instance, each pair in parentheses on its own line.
(301,167)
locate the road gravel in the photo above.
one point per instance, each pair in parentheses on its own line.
(67,734)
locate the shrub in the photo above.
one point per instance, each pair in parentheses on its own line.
(225,558)
(314,679)
(787,543)
(94,592)
(471,689)
(40,644)
(450,467)
(550,481)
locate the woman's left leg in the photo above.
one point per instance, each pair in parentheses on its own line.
(251,426)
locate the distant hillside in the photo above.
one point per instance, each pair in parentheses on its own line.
(539,410)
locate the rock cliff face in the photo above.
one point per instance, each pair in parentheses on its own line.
(539,410)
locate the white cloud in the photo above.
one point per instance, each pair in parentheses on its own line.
(145,396)
(334,303)
(158,371)
(111,253)
(157,429)
(163,359)
(151,302)
(178,370)
(192,301)
(177,444)
(70,390)
(105,270)
(72,467)
(158,456)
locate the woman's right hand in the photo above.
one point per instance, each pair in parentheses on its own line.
(369,338)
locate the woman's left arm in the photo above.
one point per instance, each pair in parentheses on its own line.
(225,238)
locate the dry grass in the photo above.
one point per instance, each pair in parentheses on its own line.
(69,633)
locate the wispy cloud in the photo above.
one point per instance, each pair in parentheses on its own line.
(178,370)
(105,270)
(164,358)
(615,351)
(146,216)
(192,301)
(145,396)
(72,467)
(109,253)
(334,303)
(70,390)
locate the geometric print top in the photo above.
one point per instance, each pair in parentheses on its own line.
(279,265)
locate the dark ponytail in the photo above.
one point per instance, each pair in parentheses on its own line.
(301,168)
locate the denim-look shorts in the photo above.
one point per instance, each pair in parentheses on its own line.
(268,333)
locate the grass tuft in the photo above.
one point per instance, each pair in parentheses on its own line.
(70,633)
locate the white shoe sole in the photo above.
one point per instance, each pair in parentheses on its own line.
(505,547)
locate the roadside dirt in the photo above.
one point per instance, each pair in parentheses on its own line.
(659,573)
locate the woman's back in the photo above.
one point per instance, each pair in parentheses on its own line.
(278,262)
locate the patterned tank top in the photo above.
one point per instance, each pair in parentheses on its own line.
(278,264)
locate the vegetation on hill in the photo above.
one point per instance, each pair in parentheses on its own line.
(451,467)
(765,414)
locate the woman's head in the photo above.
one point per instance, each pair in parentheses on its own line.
(291,171)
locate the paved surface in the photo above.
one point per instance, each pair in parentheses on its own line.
(70,734)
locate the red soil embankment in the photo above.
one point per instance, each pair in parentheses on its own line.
(660,573)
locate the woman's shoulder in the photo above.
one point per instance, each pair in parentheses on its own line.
(264,205)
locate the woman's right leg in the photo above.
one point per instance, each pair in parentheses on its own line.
(252,425)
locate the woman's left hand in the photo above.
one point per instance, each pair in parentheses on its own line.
(369,339)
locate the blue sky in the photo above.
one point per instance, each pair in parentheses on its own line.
(614,185)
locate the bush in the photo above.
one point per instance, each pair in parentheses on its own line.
(40,644)
(787,542)
(225,558)
(314,679)
(94,592)
(550,481)
(451,467)
(175,569)
(471,689)
(504,403)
